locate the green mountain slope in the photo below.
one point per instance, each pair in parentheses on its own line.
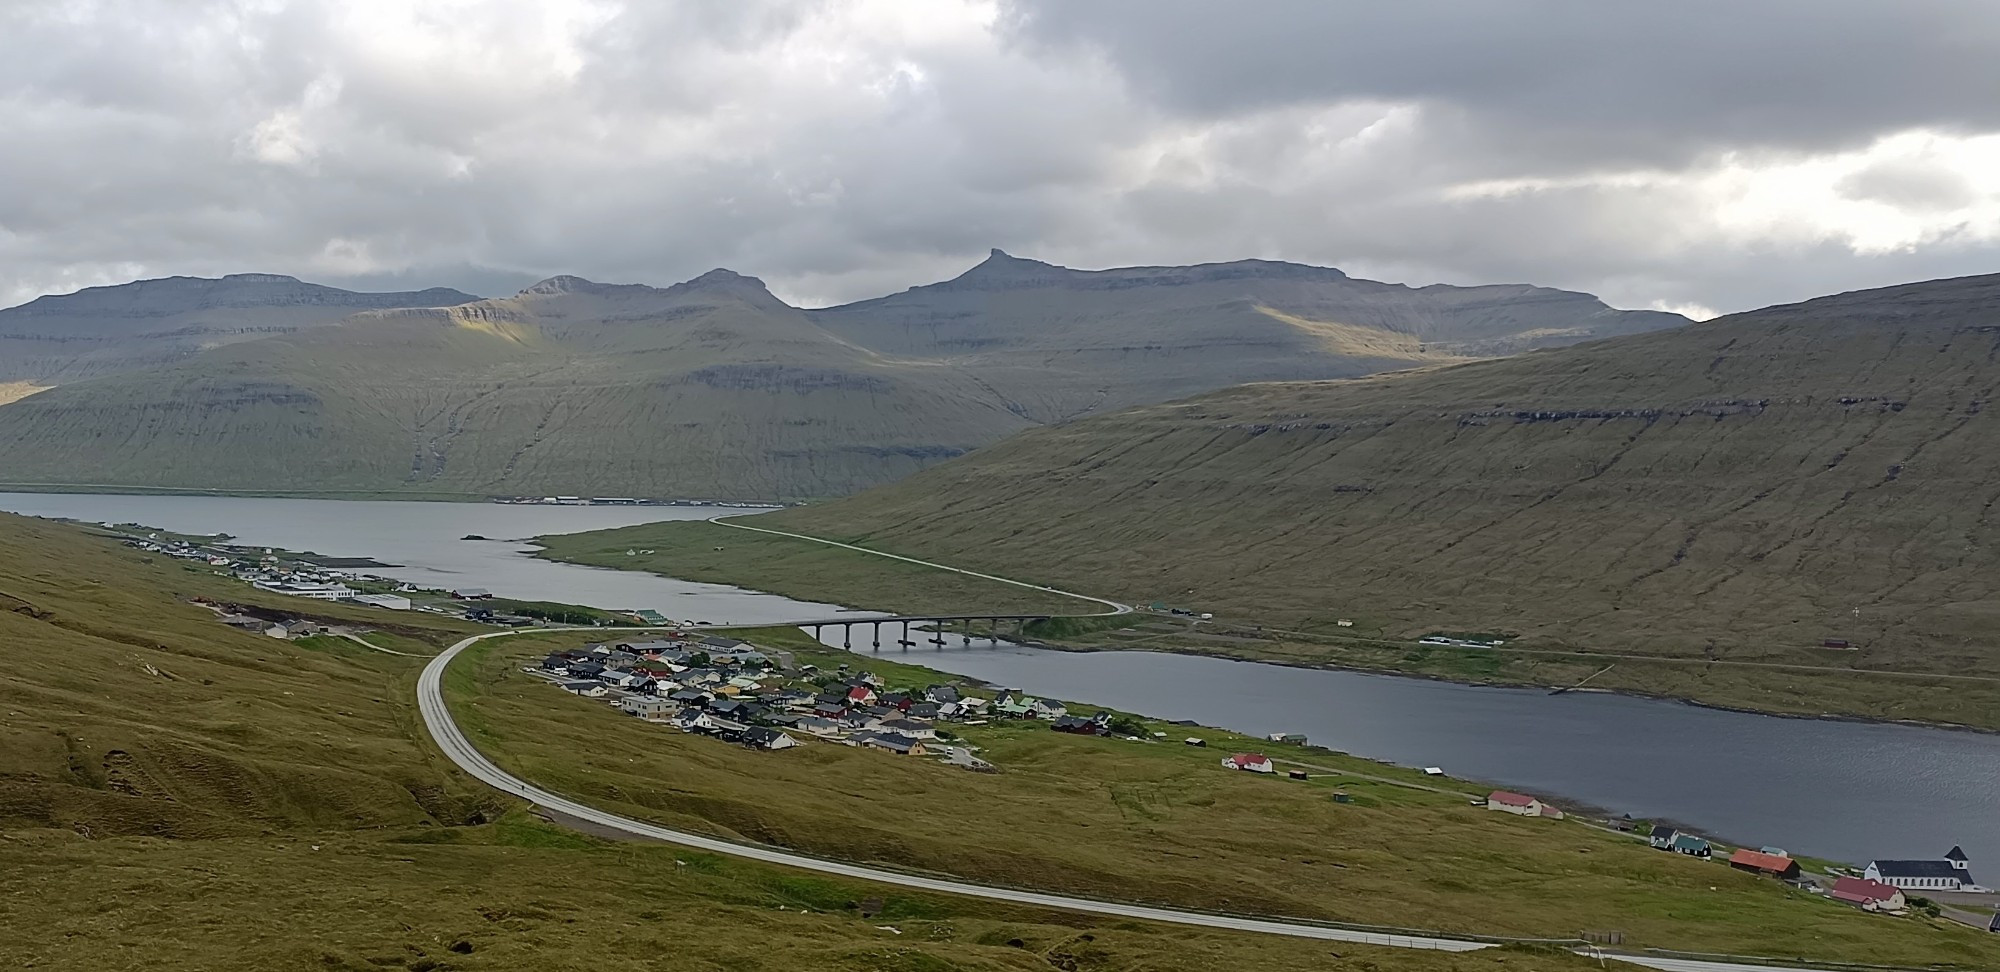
(1745,488)
(709,388)
(1060,343)
(178,794)
(715,388)
(105,330)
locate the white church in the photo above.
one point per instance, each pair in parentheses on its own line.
(1953,873)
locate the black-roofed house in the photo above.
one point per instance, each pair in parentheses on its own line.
(909,727)
(1077,725)
(761,737)
(1950,873)
(891,741)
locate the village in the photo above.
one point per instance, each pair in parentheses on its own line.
(1886,886)
(738,693)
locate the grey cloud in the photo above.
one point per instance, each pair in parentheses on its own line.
(839,159)
(1590,81)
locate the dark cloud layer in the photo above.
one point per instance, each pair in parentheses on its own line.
(1700,154)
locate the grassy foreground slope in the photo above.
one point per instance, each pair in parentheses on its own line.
(1162,822)
(1741,490)
(175,794)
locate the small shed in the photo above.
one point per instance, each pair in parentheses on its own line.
(1195,741)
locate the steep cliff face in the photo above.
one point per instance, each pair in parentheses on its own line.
(1061,343)
(1755,484)
(712,387)
(105,330)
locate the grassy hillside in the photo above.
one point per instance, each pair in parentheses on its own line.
(175,794)
(710,389)
(1061,343)
(1162,822)
(1738,491)
(106,330)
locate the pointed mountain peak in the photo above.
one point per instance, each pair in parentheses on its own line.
(1000,260)
(1004,271)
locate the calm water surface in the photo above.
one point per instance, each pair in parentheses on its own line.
(424,539)
(1843,790)
(1848,791)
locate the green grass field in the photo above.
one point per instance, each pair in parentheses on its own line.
(702,551)
(176,794)
(1162,822)
(802,569)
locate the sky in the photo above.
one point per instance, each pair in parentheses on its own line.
(1700,156)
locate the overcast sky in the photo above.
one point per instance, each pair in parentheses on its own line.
(1698,155)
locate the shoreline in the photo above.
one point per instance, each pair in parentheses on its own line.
(367,495)
(1551,689)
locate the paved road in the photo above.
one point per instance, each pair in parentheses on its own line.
(1116,608)
(445,732)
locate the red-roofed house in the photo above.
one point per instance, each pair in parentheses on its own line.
(1520,803)
(1873,895)
(861,694)
(1777,865)
(1251,762)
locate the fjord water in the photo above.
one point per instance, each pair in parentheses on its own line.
(424,539)
(1848,791)
(1845,790)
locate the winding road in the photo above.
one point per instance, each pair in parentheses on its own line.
(1116,608)
(460,750)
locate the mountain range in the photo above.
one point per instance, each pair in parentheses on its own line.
(104,330)
(1762,485)
(712,388)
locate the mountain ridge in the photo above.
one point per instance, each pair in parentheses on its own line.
(1750,486)
(715,388)
(106,330)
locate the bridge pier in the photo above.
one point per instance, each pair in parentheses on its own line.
(937,636)
(878,636)
(816,634)
(847,636)
(906,642)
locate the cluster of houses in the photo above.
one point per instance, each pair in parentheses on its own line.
(1880,887)
(269,572)
(1882,883)
(733,691)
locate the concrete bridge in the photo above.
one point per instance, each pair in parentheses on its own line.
(967,625)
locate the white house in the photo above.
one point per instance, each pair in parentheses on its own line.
(1249,762)
(765,738)
(1519,803)
(1952,873)
(651,708)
